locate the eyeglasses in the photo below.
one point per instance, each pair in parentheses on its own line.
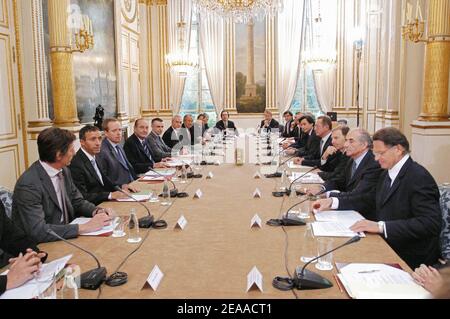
(382,153)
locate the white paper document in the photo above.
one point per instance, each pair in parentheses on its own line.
(345,216)
(158,172)
(30,289)
(153,178)
(104,230)
(300,168)
(179,162)
(139,197)
(379,281)
(310,178)
(334,229)
(255,278)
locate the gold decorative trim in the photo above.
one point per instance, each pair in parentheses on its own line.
(4,22)
(426,127)
(9,71)
(126,11)
(39,124)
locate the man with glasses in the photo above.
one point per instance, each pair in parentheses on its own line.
(405,200)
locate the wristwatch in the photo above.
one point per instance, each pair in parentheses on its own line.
(381,227)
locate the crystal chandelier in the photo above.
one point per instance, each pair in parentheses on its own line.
(318,56)
(180,62)
(241,11)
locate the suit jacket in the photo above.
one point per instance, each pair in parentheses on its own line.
(314,156)
(140,161)
(12,240)
(36,208)
(272,125)
(411,211)
(334,167)
(170,137)
(118,173)
(364,180)
(312,145)
(158,148)
(288,131)
(221,125)
(87,181)
(301,139)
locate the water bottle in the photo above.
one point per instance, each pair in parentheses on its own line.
(309,245)
(166,195)
(183,176)
(133,228)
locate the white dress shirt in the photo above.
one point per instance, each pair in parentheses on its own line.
(53,174)
(324,141)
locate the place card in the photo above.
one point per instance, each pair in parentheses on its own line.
(257,193)
(155,277)
(257,175)
(256,222)
(210,175)
(198,194)
(254,280)
(181,223)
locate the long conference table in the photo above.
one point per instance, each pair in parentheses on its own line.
(213,255)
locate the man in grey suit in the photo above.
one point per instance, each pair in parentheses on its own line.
(112,158)
(45,197)
(161,152)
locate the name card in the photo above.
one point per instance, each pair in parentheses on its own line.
(217,163)
(210,175)
(198,194)
(155,277)
(256,222)
(254,280)
(257,193)
(181,223)
(257,175)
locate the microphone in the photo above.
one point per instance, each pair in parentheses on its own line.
(91,279)
(144,222)
(191,174)
(306,280)
(288,191)
(174,191)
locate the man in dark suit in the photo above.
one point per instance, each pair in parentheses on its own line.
(313,158)
(112,157)
(308,142)
(362,172)
(269,123)
(87,174)
(139,151)
(289,127)
(335,165)
(225,123)
(14,241)
(45,197)
(160,151)
(171,137)
(406,201)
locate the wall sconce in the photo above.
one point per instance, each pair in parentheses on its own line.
(83,37)
(413,29)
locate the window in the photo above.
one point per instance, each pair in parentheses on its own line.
(197,96)
(305,99)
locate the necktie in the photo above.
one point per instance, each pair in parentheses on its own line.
(63,195)
(97,171)
(354,168)
(386,186)
(321,148)
(123,161)
(146,150)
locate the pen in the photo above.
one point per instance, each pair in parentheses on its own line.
(368,271)
(338,283)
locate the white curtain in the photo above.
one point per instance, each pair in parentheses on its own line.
(174,16)
(325,83)
(212,41)
(289,37)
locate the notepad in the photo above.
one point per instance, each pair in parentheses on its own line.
(334,229)
(345,216)
(105,231)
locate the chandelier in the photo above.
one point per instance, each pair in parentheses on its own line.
(240,11)
(319,55)
(180,62)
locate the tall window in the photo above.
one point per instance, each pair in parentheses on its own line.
(305,99)
(197,96)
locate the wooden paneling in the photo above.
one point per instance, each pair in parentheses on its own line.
(4,14)
(7,102)
(9,161)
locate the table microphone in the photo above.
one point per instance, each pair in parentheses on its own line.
(147,221)
(306,280)
(91,279)
(174,191)
(191,174)
(288,191)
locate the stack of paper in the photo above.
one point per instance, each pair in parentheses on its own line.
(344,216)
(106,230)
(159,172)
(379,281)
(140,197)
(301,168)
(179,162)
(310,178)
(334,229)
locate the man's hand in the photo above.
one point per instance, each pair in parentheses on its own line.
(331,150)
(366,226)
(22,269)
(129,188)
(298,160)
(160,165)
(323,204)
(118,195)
(167,159)
(40,255)
(429,278)
(96,223)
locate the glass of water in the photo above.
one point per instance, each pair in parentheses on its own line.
(326,262)
(309,245)
(119,225)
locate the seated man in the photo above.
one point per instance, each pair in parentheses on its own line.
(138,149)
(313,158)
(335,165)
(269,123)
(87,175)
(160,151)
(405,200)
(225,123)
(308,142)
(171,137)
(112,158)
(45,197)
(288,130)
(190,134)
(14,241)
